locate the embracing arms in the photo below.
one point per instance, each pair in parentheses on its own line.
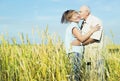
(88,41)
(82,38)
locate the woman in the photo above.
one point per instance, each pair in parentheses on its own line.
(73,32)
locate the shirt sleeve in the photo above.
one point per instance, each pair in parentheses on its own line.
(97,35)
(73,25)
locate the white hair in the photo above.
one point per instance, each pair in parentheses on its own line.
(85,8)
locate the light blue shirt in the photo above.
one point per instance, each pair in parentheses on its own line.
(69,37)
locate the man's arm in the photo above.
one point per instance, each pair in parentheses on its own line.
(89,41)
(77,42)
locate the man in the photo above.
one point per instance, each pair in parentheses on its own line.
(93,46)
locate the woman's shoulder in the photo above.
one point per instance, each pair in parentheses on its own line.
(73,24)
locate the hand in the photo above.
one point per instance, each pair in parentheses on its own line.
(96,28)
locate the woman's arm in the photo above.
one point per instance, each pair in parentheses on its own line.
(76,42)
(81,37)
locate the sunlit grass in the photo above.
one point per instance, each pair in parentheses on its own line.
(46,61)
(112,59)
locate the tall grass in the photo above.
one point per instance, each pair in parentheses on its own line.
(33,62)
(112,59)
(46,61)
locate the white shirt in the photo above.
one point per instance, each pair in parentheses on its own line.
(92,21)
(69,37)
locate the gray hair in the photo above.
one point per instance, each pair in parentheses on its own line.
(87,8)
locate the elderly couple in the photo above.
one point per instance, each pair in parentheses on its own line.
(84,41)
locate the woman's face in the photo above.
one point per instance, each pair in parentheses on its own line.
(75,17)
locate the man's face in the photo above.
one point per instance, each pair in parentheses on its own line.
(83,13)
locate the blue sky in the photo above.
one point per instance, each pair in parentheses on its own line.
(25,15)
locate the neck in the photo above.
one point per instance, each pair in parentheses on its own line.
(75,21)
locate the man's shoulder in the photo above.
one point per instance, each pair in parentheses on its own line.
(95,18)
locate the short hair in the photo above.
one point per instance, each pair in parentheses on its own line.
(87,8)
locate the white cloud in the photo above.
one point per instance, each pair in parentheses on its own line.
(4,18)
(1,18)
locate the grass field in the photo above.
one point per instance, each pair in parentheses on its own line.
(46,61)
